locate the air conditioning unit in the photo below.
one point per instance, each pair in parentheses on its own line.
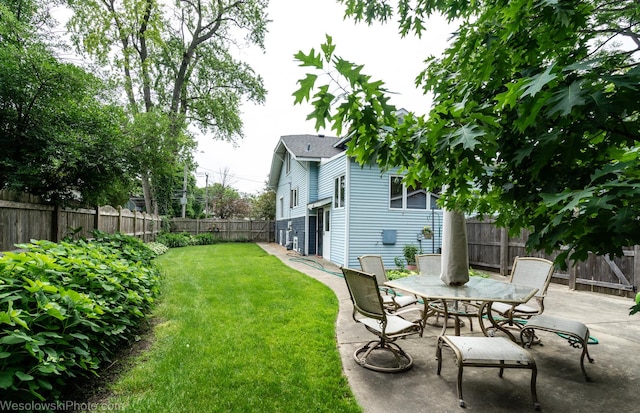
(289,243)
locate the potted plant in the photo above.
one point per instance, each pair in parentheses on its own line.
(409,251)
(427,232)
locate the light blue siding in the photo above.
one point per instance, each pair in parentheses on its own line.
(296,178)
(313,182)
(369,214)
(328,172)
(356,227)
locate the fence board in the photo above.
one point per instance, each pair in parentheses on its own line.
(227,229)
(492,248)
(23,218)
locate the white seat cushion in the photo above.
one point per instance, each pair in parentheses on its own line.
(395,324)
(520,308)
(400,300)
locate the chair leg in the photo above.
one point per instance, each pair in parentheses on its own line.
(534,394)
(403,360)
(460,398)
(439,355)
(585,352)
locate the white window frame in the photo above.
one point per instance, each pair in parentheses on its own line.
(404,202)
(287,163)
(339,191)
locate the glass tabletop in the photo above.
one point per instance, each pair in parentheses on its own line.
(476,289)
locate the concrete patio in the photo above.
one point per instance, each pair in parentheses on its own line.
(561,387)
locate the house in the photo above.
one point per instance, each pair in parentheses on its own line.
(329,205)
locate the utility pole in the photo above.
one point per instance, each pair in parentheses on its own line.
(183,200)
(206,195)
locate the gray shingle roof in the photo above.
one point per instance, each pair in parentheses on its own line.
(303,148)
(311,146)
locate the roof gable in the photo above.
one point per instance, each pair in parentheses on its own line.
(302,148)
(311,146)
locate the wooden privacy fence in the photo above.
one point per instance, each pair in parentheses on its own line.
(491,247)
(26,219)
(227,229)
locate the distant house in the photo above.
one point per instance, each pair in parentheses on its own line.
(328,205)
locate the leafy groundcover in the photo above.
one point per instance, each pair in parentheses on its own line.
(66,308)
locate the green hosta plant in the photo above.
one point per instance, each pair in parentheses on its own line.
(66,307)
(636,308)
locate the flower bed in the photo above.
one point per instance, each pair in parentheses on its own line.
(66,307)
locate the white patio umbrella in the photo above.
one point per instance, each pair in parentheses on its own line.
(455,254)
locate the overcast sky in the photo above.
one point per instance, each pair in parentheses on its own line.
(302,25)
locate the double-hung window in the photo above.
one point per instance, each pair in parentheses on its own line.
(406,197)
(338,192)
(287,163)
(293,198)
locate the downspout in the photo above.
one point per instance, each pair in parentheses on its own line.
(347,207)
(306,213)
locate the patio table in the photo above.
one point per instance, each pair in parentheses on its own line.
(477,289)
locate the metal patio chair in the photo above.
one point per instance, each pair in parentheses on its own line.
(373,264)
(532,272)
(430,265)
(369,310)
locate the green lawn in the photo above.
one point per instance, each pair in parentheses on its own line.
(238,331)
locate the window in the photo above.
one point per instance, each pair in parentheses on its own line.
(403,197)
(416,197)
(293,198)
(395,197)
(281,207)
(287,162)
(338,192)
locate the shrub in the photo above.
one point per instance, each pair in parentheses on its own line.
(174,240)
(206,238)
(409,251)
(183,239)
(65,308)
(157,248)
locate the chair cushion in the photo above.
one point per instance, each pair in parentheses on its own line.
(395,324)
(488,349)
(400,300)
(502,308)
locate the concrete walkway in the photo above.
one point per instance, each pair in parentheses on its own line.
(561,387)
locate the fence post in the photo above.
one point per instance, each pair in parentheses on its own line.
(635,279)
(504,251)
(573,272)
(55,223)
(119,226)
(96,219)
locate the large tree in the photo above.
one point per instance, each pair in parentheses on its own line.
(61,132)
(174,59)
(535,116)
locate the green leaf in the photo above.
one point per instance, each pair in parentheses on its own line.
(466,135)
(15,338)
(6,378)
(537,82)
(45,384)
(310,59)
(510,97)
(306,85)
(328,48)
(566,99)
(24,376)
